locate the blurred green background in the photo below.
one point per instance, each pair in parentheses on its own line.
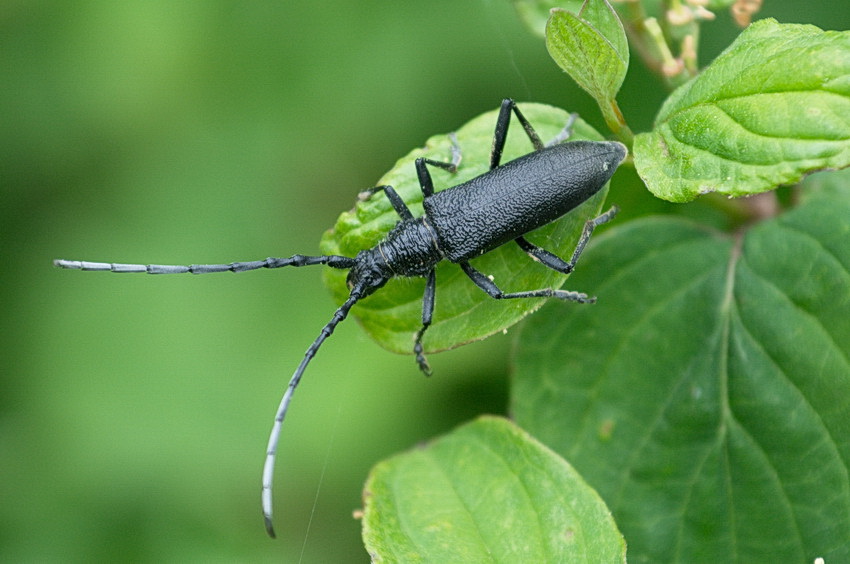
(134,410)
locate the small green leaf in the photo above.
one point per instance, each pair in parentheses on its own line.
(770,109)
(706,396)
(486,492)
(591,48)
(463,312)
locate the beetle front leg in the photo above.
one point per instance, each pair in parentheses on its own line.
(427,314)
(398,204)
(493,291)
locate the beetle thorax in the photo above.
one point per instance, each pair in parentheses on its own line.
(410,249)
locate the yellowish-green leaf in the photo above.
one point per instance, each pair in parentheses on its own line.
(772,108)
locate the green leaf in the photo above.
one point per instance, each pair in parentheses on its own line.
(706,396)
(829,184)
(770,109)
(486,492)
(591,48)
(463,313)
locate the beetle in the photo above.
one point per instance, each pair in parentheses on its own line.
(459,224)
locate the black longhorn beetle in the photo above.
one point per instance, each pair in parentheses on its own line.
(460,223)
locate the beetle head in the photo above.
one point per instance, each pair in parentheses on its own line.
(369,272)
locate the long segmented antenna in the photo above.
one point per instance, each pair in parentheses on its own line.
(274,436)
(334,261)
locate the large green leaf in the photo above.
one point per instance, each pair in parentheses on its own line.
(770,109)
(486,492)
(707,395)
(463,312)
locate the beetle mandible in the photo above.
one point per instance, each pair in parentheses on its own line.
(460,223)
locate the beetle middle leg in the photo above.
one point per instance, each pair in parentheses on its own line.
(425,181)
(427,315)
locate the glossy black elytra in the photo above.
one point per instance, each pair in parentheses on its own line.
(460,223)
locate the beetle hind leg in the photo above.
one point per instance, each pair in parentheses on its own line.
(565,133)
(555,262)
(501,134)
(493,291)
